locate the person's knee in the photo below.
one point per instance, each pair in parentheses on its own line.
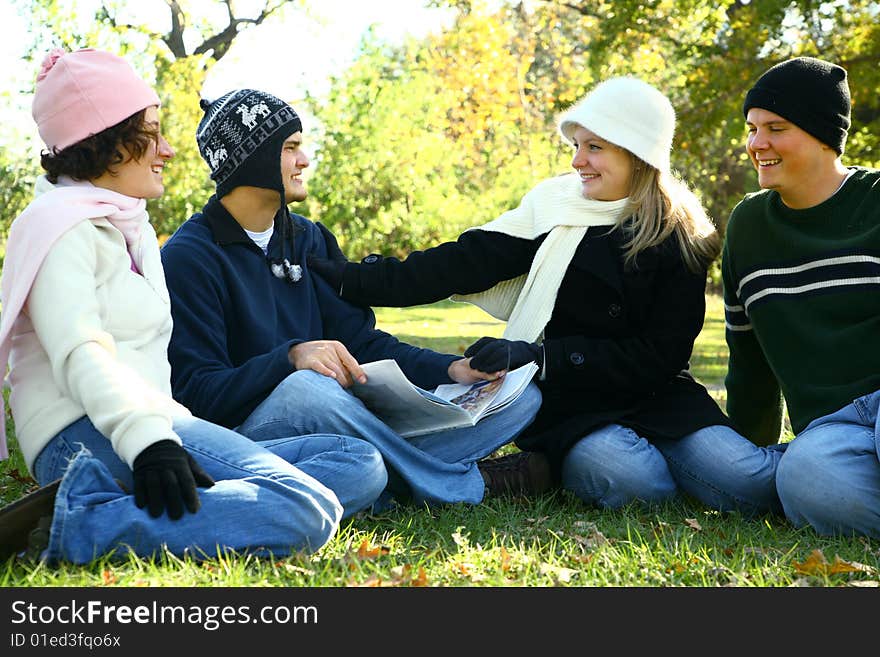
(306,384)
(531,399)
(373,477)
(798,478)
(317,520)
(304,396)
(609,474)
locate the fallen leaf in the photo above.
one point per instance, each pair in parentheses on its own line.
(373,582)
(401,572)
(590,541)
(505,559)
(422,579)
(693,524)
(365,551)
(817,564)
(841,566)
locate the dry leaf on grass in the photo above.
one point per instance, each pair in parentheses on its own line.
(400,576)
(505,559)
(367,551)
(693,524)
(817,564)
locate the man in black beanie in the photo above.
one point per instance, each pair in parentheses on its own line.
(262,346)
(801,274)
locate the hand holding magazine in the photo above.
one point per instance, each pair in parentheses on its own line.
(412,411)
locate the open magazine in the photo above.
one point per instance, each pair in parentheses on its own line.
(412,411)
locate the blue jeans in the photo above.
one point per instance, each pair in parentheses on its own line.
(829,477)
(435,468)
(287,494)
(614,466)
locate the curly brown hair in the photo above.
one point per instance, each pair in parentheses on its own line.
(93,156)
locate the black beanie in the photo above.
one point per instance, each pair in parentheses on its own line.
(811,93)
(240,137)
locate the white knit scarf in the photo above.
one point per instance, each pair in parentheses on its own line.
(558,206)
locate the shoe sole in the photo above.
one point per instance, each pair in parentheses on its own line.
(21,516)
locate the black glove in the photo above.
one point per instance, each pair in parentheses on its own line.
(331,267)
(495,354)
(165,477)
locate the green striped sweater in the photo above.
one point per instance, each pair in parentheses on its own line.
(802,306)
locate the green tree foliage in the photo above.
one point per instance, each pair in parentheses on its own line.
(423,141)
(187,182)
(175,57)
(436,136)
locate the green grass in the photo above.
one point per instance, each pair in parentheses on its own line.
(552,540)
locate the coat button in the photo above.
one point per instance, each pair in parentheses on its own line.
(614,310)
(370,259)
(576,358)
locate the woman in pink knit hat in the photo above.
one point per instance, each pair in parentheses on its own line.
(85,329)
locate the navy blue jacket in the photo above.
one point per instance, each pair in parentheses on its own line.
(234,321)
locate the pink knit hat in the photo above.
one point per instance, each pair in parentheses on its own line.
(81,93)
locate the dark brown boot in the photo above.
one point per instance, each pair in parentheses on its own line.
(520,473)
(19,518)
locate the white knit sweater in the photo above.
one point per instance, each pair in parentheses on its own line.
(93,340)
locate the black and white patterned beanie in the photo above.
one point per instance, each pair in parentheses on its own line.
(240,137)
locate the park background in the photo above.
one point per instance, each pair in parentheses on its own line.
(417,133)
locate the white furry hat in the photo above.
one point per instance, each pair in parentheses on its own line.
(627,112)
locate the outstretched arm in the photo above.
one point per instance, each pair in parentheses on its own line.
(476,261)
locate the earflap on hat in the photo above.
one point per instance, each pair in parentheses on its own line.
(630,113)
(240,137)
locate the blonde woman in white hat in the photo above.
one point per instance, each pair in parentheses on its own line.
(601,276)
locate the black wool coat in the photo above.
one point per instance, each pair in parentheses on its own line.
(618,343)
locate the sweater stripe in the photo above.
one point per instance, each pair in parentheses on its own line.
(874,280)
(818,275)
(736,319)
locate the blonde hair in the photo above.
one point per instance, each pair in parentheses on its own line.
(662,204)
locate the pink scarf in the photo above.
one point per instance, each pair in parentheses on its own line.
(35,231)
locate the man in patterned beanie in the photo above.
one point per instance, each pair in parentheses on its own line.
(801,273)
(262,346)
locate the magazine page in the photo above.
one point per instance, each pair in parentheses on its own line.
(478,396)
(486,397)
(406,408)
